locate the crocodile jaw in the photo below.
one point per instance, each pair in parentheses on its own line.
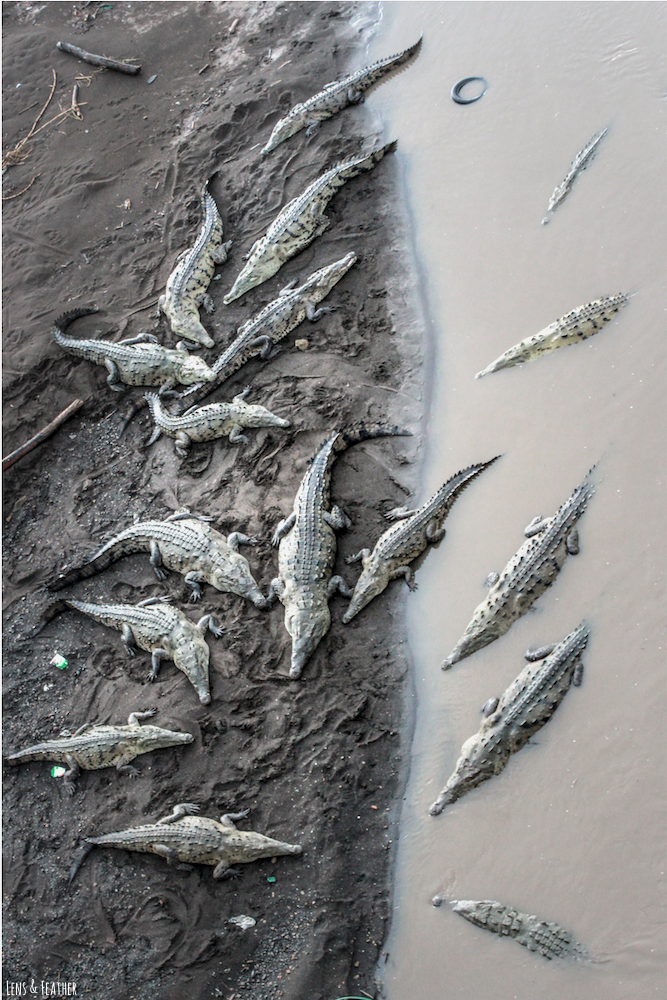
(242,583)
(194,663)
(260,267)
(307,628)
(187,324)
(325,279)
(283,129)
(193,370)
(373,581)
(155,738)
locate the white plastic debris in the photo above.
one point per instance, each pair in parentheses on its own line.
(242,921)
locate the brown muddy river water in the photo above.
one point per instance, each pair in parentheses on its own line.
(573,829)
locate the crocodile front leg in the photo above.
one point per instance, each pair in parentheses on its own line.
(313,314)
(242,395)
(360,556)
(167,387)
(142,338)
(193,579)
(236,437)
(123,766)
(113,378)
(156,656)
(70,776)
(207,623)
(337,584)
(276,590)
(288,288)
(135,718)
(336,518)
(281,530)
(180,810)
(312,128)
(532,655)
(572,542)
(238,538)
(266,345)
(229,819)
(355,96)
(156,560)
(83,728)
(398,513)
(435,534)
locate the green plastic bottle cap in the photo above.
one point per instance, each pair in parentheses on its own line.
(57,772)
(59,661)
(271,878)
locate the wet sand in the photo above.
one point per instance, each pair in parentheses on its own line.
(573,829)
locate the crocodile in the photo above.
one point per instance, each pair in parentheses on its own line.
(205,423)
(527,575)
(184,543)
(549,939)
(336,96)
(274,323)
(184,839)
(93,747)
(307,548)
(578,325)
(299,222)
(579,163)
(137,361)
(405,541)
(508,723)
(188,283)
(161,630)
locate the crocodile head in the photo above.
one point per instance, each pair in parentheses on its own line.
(191,655)
(481,757)
(251,846)
(192,329)
(155,738)
(371,583)
(477,635)
(284,128)
(242,583)
(325,279)
(255,415)
(263,262)
(190,369)
(307,626)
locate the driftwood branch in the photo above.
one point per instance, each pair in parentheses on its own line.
(94,60)
(42,436)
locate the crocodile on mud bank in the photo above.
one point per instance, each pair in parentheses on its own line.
(93,747)
(547,938)
(508,723)
(183,839)
(527,575)
(137,361)
(187,285)
(404,542)
(300,222)
(206,423)
(163,631)
(336,96)
(578,325)
(184,543)
(306,543)
(579,163)
(275,321)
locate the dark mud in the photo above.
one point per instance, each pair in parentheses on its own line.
(318,761)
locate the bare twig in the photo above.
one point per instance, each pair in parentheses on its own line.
(90,57)
(75,107)
(8,197)
(42,436)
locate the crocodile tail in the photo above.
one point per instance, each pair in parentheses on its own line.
(64,321)
(51,611)
(363,431)
(108,554)
(384,69)
(81,857)
(456,484)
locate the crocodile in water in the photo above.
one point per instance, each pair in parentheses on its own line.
(527,575)
(138,361)
(508,723)
(299,222)
(549,939)
(405,541)
(578,325)
(188,283)
(184,839)
(93,747)
(579,163)
(274,323)
(205,423)
(307,549)
(185,543)
(161,630)
(336,96)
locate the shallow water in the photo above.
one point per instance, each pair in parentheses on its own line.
(573,829)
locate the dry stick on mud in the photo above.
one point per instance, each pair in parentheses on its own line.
(94,60)
(42,436)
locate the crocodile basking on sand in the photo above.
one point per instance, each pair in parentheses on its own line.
(93,747)
(184,839)
(549,939)
(404,542)
(578,325)
(508,723)
(184,543)
(188,283)
(336,96)
(137,361)
(300,222)
(579,163)
(161,630)
(206,423)
(258,336)
(527,575)
(307,548)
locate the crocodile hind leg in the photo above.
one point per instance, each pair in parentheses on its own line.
(532,655)
(336,518)
(238,538)
(407,573)
(156,560)
(572,542)
(355,96)
(236,437)
(312,128)
(435,534)
(229,819)
(156,656)
(207,302)
(219,254)
(170,856)
(70,776)
(266,345)
(113,378)
(123,766)
(276,590)
(398,513)
(193,579)
(180,810)
(282,528)
(183,444)
(337,584)
(223,871)
(127,636)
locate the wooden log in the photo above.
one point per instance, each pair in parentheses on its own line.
(94,60)
(42,436)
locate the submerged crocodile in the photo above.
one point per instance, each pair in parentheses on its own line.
(579,163)
(161,630)
(527,575)
(137,361)
(578,325)
(184,839)
(205,423)
(184,543)
(188,283)
(508,723)
(403,542)
(307,548)
(93,747)
(300,222)
(274,323)
(549,939)
(336,96)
